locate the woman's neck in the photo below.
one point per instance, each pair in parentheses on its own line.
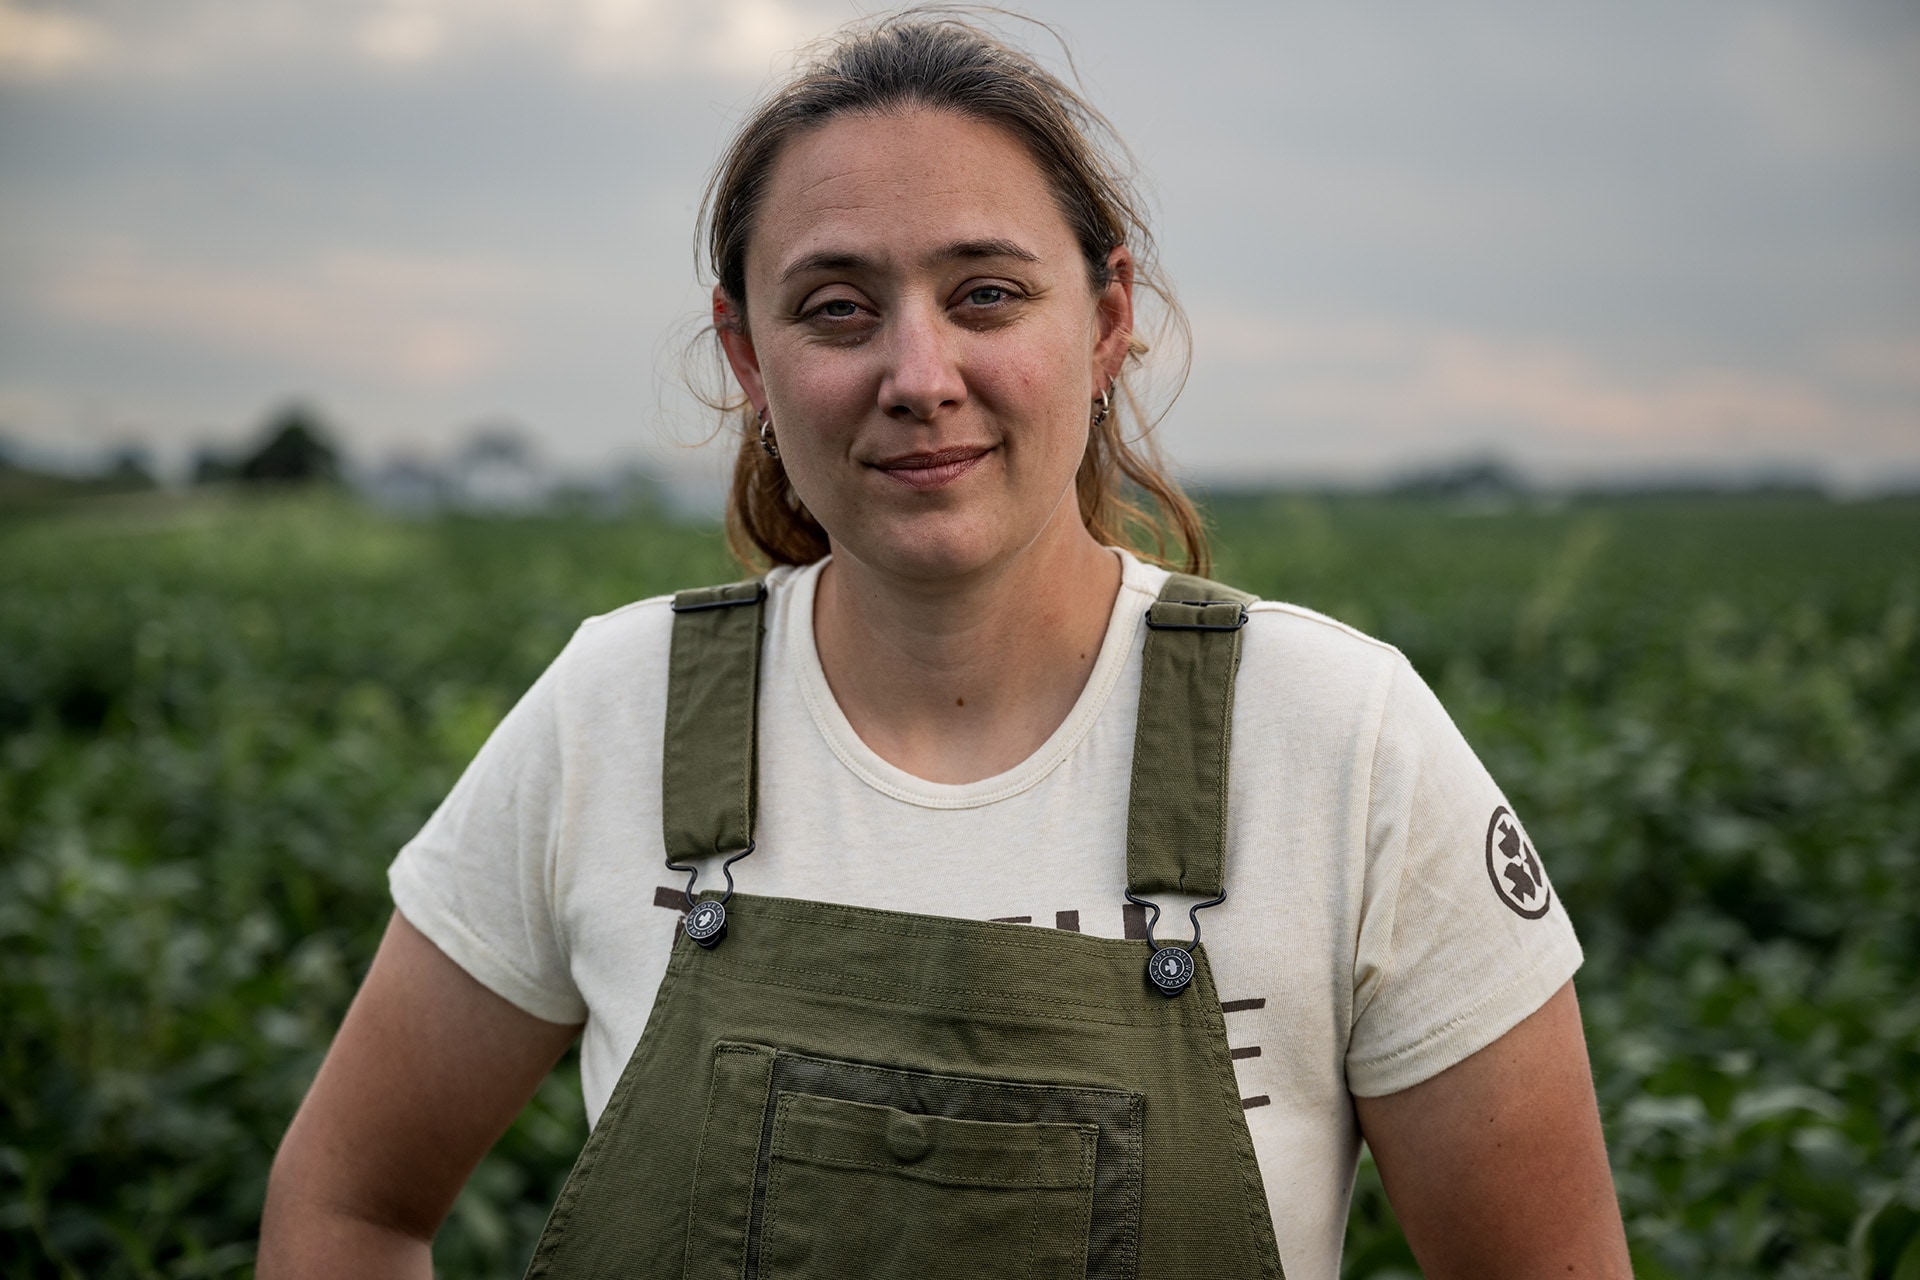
(958,681)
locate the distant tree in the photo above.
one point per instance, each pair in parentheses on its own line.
(22,486)
(126,470)
(210,466)
(129,470)
(296,450)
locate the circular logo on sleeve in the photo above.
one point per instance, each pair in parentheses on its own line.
(1514,868)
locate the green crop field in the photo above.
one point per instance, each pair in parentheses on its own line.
(220,718)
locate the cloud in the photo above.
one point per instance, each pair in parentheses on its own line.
(402,33)
(1892,363)
(1623,235)
(1409,386)
(37,43)
(410,321)
(1823,90)
(719,37)
(728,38)
(722,37)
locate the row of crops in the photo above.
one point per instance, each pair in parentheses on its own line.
(219,719)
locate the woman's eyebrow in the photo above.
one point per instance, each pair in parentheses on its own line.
(966,250)
(992,248)
(831,260)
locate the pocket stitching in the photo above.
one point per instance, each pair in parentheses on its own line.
(1016,1086)
(774,1175)
(1031,1183)
(706,1127)
(1125,1250)
(1033,1216)
(1119,1240)
(748,972)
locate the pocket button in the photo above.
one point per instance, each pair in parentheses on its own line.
(907,1138)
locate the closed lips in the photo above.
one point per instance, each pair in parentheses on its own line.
(931,470)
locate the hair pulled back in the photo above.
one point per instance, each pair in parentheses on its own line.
(935,57)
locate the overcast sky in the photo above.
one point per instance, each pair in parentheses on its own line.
(1597,238)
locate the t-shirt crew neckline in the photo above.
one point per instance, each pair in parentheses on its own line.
(1137,590)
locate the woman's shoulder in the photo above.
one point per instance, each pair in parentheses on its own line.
(1308,633)
(638,636)
(624,633)
(1301,664)
(1291,646)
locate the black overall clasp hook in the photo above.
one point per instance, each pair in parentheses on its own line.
(706,921)
(1170,968)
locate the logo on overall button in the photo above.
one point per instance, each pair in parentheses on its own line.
(1171,969)
(707,923)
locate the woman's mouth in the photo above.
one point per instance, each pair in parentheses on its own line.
(932,470)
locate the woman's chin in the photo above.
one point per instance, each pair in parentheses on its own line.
(932,547)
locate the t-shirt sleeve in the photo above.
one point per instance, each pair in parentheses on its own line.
(478,878)
(1461,935)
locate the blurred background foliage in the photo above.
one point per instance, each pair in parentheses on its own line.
(220,717)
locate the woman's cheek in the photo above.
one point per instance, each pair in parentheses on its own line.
(829,395)
(814,488)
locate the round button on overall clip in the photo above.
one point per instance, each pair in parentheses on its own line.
(706,918)
(1170,969)
(707,923)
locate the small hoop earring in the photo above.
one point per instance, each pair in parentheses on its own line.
(1106,406)
(766,436)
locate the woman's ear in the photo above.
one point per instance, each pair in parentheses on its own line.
(730,322)
(1114,304)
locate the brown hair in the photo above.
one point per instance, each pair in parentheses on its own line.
(937,58)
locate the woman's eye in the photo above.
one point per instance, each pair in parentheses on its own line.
(838,309)
(987,295)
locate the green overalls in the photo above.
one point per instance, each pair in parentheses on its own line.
(828,1092)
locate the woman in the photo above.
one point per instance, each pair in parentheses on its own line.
(1005,746)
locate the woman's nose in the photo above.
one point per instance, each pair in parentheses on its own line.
(923,373)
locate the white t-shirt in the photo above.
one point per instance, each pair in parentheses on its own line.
(1385,915)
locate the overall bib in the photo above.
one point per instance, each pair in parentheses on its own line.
(829,1092)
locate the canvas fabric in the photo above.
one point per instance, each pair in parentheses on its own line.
(901,1097)
(833,1091)
(1366,942)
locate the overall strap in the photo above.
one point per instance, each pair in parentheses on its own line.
(1177,808)
(708,765)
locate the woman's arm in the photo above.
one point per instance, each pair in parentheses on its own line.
(427,1072)
(1497,1167)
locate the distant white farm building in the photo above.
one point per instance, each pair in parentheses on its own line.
(406,486)
(498,473)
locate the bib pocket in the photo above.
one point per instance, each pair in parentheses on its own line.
(812,1168)
(861,1190)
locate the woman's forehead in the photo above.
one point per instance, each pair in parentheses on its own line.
(903,189)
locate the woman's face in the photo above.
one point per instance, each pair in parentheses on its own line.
(922,330)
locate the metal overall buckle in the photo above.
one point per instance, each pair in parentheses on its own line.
(706,921)
(1170,968)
